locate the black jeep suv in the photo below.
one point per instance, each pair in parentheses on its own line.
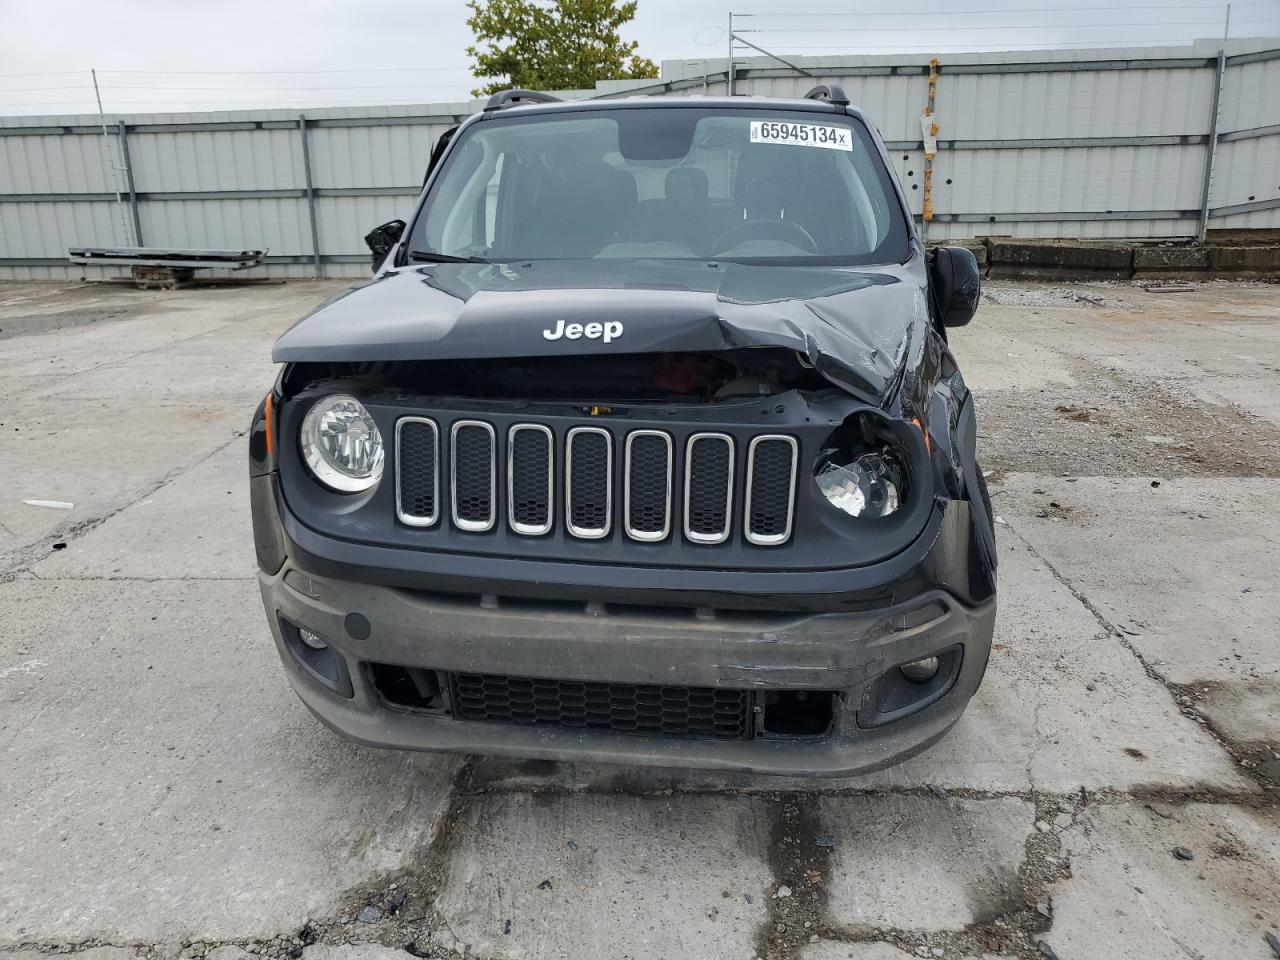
(643,445)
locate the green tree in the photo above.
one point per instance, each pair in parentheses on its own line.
(552,44)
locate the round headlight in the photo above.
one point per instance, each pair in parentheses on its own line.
(867,485)
(341,444)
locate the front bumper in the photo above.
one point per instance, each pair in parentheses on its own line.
(838,632)
(845,653)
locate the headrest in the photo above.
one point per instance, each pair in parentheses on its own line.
(623,185)
(687,184)
(588,176)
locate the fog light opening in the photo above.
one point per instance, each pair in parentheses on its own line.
(312,653)
(311,639)
(910,687)
(920,671)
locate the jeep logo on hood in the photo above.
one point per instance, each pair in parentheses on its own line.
(608,332)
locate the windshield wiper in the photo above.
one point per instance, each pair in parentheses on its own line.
(426,256)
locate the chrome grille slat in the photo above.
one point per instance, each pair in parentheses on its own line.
(473,471)
(417,471)
(709,475)
(530,479)
(588,482)
(646,485)
(771,489)
(708,495)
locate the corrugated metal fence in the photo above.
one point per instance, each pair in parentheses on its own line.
(1081,143)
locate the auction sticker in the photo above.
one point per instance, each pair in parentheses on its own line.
(802,134)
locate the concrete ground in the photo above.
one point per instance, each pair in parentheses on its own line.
(163,793)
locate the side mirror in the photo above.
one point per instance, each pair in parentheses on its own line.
(381,240)
(956,285)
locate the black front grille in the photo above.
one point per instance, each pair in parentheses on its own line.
(771,479)
(644,709)
(704,487)
(709,473)
(589,481)
(418,451)
(473,475)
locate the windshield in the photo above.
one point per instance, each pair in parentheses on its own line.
(670,183)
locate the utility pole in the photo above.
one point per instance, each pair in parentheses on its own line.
(730,71)
(1211,148)
(115,168)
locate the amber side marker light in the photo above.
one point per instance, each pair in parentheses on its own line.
(928,446)
(267,410)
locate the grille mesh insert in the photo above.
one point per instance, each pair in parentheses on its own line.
(645,709)
(769,509)
(417,458)
(710,465)
(648,473)
(589,480)
(473,474)
(530,483)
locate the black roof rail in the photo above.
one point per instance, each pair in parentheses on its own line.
(830,93)
(514,98)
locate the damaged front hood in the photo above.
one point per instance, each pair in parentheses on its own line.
(858,326)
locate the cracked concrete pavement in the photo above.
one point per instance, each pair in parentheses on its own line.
(163,793)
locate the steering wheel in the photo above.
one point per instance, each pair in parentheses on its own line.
(787,230)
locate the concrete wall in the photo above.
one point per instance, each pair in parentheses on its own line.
(1086,143)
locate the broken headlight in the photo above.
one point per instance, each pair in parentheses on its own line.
(867,484)
(341,444)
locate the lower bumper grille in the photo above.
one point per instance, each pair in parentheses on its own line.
(643,709)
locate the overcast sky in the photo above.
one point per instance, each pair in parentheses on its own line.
(155,55)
